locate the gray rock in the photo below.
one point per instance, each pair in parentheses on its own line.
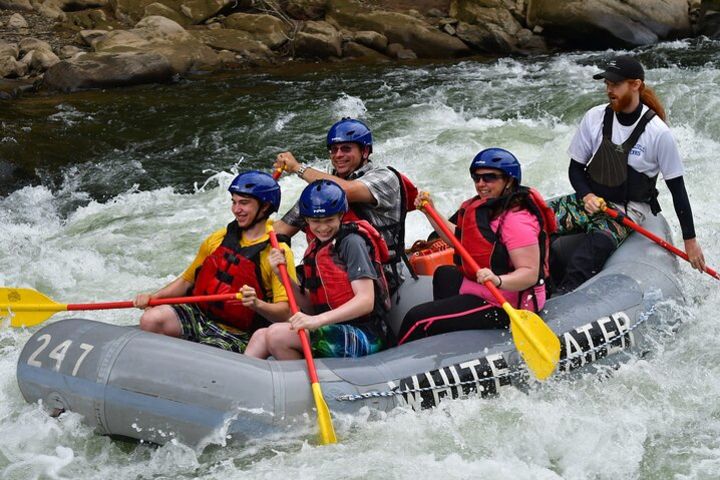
(29,44)
(487,38)
(236,41)
(92,36)
(357,50)
(17,21)
(265,28)
(106,70)
(49,10)
(318,40)
(8,49)
(163,10)
(196,11)
(163,36)
(425,40)
(11,67)
(69,51)
(40,60)
(374,40)
(88,19)
(612,22)
(447,28)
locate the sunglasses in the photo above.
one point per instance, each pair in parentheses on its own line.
(486,177)
(343,148)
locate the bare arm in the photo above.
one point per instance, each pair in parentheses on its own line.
(525,275)
(423,197)
(176,288)
(356,192)
(361,304)
(282,228)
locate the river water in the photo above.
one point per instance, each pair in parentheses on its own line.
(104,194)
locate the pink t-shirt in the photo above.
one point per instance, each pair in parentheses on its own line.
(520,229)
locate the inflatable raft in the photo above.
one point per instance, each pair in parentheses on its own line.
(130,383)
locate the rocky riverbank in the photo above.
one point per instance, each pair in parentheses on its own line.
(66,45)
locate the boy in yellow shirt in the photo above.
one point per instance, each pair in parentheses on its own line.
(232,259)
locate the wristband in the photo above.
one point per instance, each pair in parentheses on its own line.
(499,282)
(301,171)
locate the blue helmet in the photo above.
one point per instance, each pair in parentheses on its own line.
(259,185)
(350,130)
(500,159)
(322,198)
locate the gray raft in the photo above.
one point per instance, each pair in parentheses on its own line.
(130,383)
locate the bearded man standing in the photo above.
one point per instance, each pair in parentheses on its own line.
(616,155)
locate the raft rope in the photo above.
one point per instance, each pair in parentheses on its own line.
(514,373)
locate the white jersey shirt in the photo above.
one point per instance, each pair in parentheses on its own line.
(655,151)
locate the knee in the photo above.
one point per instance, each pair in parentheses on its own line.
(275,337)
(156,319)
(150,322)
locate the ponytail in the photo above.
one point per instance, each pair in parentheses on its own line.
(648,97)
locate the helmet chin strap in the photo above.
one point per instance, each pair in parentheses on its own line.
(258,218)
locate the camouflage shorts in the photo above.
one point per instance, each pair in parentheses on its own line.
(197,328)
(572,218)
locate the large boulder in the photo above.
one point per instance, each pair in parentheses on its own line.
(162,10)
(31,43)
(611,23)
(486,25)
(410,31)
(162,36)
(267,29)
(10,67)
(105,70)
(370,39)
(40,60)
(236,41)
(318,40)
(8,49)
(196,11)
(360,51)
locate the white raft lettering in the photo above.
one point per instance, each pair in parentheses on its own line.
(478,371)
(598,339)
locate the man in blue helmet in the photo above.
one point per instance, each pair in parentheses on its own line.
(232,259)
(617,154)
(375,194)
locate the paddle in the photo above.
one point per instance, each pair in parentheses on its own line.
(668,246)
(31,307)
(536,342)
(327,431)
(276,173)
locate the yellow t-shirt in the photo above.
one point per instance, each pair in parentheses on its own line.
(270,282)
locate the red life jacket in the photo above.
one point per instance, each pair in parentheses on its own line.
(226,270)
(326,277)
(484,245)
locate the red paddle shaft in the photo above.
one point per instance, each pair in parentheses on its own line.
(294,309)
(668,246)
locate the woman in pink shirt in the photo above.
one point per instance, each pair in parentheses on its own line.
(505,228)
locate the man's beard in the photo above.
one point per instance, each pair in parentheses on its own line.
(622,102)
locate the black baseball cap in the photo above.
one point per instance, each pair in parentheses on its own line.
(622,68)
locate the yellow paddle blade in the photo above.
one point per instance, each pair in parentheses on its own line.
(327,431)
(536,342)
(28,307)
